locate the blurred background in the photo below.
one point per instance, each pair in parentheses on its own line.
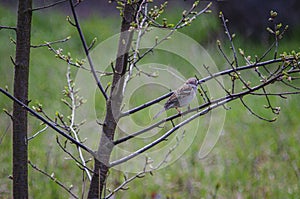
(253,158)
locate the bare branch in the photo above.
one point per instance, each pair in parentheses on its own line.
(141,107)
(86,50)
(281,94)
(71,155)
(220,84)
(37,133)
(221,73)
(72,120)
(255,114)
(49,6)
(189,20)
(138,40)
(4,132)
(167,134)
(8,28)
(92,44)
(51,176)
(230,39)
(145,170)
(234,65)
(212,105)
(50,124)
(46,44)
(181,23)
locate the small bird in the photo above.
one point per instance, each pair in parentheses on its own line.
(181,97)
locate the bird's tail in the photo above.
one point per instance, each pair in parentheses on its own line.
(158,114)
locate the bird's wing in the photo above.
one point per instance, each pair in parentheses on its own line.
(172,101)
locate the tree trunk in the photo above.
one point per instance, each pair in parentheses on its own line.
(113,105)
(20,156)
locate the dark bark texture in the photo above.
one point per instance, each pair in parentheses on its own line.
(113,106)
(20,156)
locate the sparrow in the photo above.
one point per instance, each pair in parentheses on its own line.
(181,97)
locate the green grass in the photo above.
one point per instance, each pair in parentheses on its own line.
(252,159)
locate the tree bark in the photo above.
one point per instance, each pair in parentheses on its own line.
(113,105)
(20,155)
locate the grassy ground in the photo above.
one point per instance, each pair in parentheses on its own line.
(252,159)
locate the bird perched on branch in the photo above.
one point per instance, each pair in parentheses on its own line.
(181,97)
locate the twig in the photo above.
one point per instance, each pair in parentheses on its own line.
(8,28)
(144,171)
(59,54)
(255,114)
(195,15)
(37,133)
(50,124)
(203,80)
(230,39)
(52,178)
(277,94)
(178,25)
(92,44)
(46,44)
(71,155)
(267,52)
(137,43)
(276,41)
(275,110)
(72,120)
(234,53)
(49,6)
(291,86)
(5,132)
(218,81)
(166,135)
(217,103)
(143,106)
(203,94)
(86,50)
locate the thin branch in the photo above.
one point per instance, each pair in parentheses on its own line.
(291,86)
(167,134)
(145,171)
(8,28)
(48,6)
(52,178)
(67,58)
(77,64)
(92,44)
(46,44)
(218,81)
(230,39)
(71,155)
(203,80)
(267,52)
(275,110)
(137,43)
(72,120)
(218,102)
(255,114)
(195,15)
(143,106)
(86,50)
(177,26)
(50,124)
(37,133)
(278,94)
(276,42)
(5,132)
(203,94)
